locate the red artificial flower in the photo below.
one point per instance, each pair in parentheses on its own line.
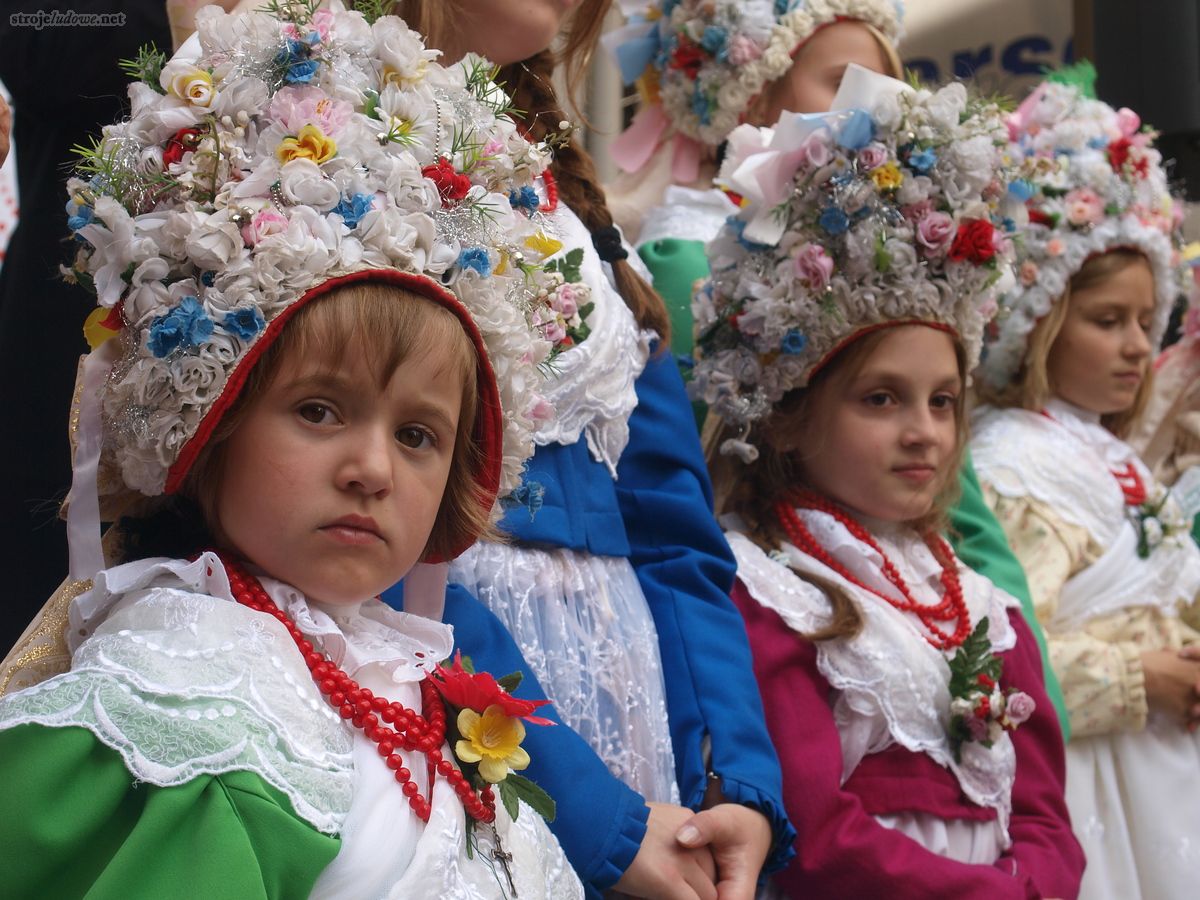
(181,142)
(1118,153)
(689,58)
(984,708)
(1037,217)
(451,185)
(975,240)
(986,681)
(479,690)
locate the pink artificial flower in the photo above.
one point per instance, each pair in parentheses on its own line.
(553,330)
(298,105)
(977,728)
(743,50)
(1028,272)
(1019,706)
(934,232)
(565,300)
(872,156)
(1128,121)
(1084,207)
(815,151)
(915,212)
(321,22)
(814,266)
(264,223)
(1054,247)
(1191,320)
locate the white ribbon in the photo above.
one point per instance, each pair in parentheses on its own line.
(83,502)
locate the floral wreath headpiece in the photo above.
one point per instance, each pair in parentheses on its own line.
(875,214)
(1091,181)
(699,63)
(268,161)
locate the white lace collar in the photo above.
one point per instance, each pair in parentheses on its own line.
(893,685)
(1084,426)
(592,385)
(406,646)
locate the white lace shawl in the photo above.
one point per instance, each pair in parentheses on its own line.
(592,385)
(182,681)
(687,214)
(1065,460)
(892,685)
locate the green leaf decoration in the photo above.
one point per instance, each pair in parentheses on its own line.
(468,666)
(146,67)
(974,658)
(509,797)
(1081,76)
(510,682)
(536,798)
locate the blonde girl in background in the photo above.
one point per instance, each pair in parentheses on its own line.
(846,309)
(1112,567)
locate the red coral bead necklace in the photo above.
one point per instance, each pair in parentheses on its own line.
(951,608)
(389,724)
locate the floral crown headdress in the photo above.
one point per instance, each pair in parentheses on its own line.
(270,160)
(877,213)
(1091,181)
(698,64)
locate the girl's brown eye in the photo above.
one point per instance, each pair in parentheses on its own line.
(314,412)
(416,438)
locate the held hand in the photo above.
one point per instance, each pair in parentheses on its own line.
(665,869)
(1193,653)
(5,129)
(740,838)
(1173,683)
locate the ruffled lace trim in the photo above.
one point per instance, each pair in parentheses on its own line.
(1019,453)
(892,683)
(592,387)
(184,685)
(687,214)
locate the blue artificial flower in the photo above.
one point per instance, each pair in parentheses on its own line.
(1098,143)
(923,160)
(475,258)
(79,215)
(184,327)
(738,227)
(208,278)
(244,322)
(1021,189)
(525,198)
(714,39)
(857,130)
(793,342)
(300,67)
(833,220)
(529,495)
(352,209)
(700,105)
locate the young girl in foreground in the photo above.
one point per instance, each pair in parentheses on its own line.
(1113,569)
(292,409)
(836,342)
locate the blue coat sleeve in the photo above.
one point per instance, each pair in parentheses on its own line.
(686,571)
(600,822)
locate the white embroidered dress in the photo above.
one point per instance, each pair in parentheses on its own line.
(581,620)
(180,680)
(891,686)
(1134,795)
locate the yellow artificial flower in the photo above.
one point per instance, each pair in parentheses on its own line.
(310,143)
(95,331)
(194,85)
(410,78)
(887,177)
(544,244)
(493,740)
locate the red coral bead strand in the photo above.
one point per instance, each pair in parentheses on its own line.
(952,606)
(387,723)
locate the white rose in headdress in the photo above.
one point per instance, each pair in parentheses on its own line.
(400,52)
(215,241)
(154,118)
(946,106)
(187,82)
(116,247)
(254,34)
(147,295)
(973,160)
(243,95)
(302,182)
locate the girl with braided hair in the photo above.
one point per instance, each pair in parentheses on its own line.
(615,580)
